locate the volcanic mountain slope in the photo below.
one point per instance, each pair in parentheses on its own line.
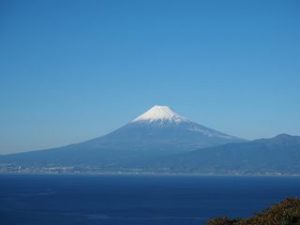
(158,132)
(274,156)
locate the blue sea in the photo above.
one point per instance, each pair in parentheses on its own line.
(136,200)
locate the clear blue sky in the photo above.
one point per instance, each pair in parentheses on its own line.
(74,70)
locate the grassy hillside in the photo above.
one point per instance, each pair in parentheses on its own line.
(286,212)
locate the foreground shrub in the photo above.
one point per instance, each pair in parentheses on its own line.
(286,212)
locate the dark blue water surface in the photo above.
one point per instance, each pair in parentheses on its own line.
(135,200)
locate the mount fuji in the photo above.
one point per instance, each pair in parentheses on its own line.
(158,132)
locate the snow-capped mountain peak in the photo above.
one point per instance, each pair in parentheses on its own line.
(160,113)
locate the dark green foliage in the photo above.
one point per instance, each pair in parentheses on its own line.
(221,220)
(285,213)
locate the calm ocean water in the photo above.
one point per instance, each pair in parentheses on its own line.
(135,200)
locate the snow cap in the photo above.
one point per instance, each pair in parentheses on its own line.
(160,112)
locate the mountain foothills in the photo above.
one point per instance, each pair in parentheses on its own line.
(275,156)
(162,141)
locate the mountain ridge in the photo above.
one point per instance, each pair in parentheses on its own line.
(277,155)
